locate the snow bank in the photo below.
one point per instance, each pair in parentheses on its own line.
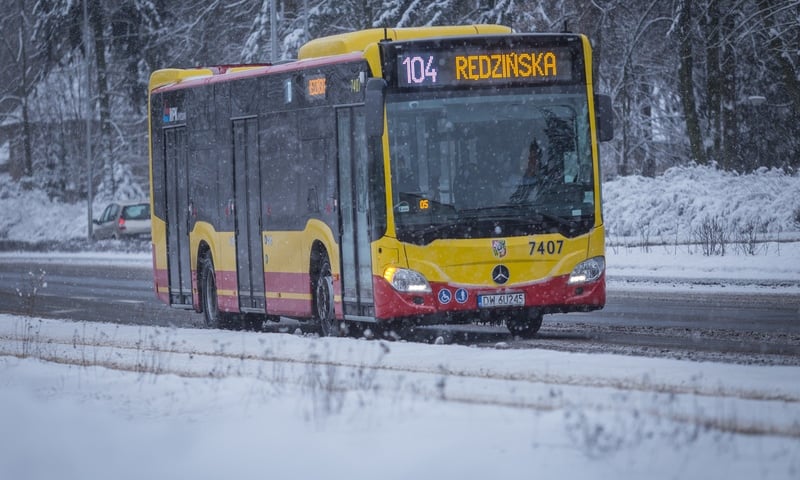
(676,203)
(30,216)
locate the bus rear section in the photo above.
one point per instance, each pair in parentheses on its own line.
(245,189)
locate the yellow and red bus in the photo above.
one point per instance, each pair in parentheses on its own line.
(384,177)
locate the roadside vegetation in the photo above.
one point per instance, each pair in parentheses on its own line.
(706,82)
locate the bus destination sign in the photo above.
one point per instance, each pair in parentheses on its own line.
(458,67)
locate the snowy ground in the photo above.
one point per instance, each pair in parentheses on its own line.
(774,270)
(98,400)
(90,401)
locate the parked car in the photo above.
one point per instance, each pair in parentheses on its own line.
(123,220)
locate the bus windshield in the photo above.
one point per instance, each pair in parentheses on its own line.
(470,165)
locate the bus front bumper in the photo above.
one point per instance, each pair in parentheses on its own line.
(552,295)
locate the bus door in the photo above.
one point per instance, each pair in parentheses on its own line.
(247,214)
(176,160)
(353,177)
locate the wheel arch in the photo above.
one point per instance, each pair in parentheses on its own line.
(204,240)
(324,242)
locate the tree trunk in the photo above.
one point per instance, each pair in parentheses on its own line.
(731,156)
(623,98)
(686,87)
(24,91)
(107,146)
(714,80)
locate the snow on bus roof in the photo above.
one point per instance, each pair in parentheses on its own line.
(248,71)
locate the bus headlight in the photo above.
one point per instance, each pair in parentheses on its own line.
(587,271)
(406,281)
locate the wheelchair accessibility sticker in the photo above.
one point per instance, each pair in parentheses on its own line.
(445,296)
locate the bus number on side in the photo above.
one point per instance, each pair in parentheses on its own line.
(550,247)
(316,87)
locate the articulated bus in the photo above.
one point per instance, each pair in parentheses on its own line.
(386,177)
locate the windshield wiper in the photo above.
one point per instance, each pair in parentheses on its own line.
(557,219)
(423,234)
(434,228)
(518,215)
(481,211)
(514,212)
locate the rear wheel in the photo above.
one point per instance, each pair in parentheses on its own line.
(324,313)
(208,296)
(524,324)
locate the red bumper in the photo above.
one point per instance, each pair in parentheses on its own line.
(551,295)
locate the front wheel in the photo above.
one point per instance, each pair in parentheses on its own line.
(324,313)
(525,324)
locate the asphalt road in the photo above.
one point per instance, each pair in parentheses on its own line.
(760,328)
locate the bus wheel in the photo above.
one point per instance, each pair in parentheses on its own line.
(253,322)
(400,329)
(324,313)
(208,296)
(525,324)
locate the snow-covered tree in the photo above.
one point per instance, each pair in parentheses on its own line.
(706,81)
(20,67)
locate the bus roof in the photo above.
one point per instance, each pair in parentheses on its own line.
(360,40)
(175,78)
(313,53)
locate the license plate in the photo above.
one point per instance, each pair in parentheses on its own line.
(501,300)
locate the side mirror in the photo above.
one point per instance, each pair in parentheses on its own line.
(96,221)
(376,89)
(604,117)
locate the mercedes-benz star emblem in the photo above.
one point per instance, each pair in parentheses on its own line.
(500,274)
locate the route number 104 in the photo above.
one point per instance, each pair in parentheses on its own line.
(418,69)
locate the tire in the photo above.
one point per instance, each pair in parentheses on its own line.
(353,329)
(395,330)
(525,323)
(208,297)
(324,313)
(253,322)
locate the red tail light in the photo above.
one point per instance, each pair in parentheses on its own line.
(121,223)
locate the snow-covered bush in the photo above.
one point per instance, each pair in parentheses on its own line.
(712,235)
(675,204)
